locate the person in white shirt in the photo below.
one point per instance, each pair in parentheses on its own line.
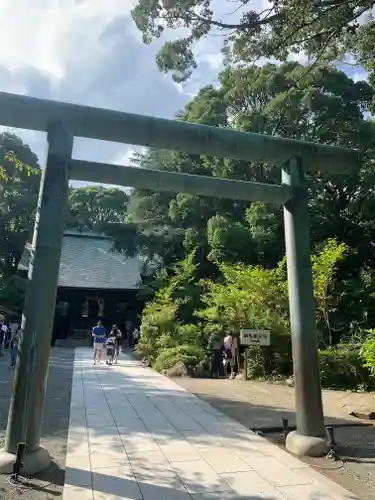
(3,338)
(227,354)
(231,354)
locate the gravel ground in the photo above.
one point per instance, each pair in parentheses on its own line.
(49,484)
(261,404)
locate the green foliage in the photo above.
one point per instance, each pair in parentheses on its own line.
(165,320)
(12,293)
(324,29)
(341,367)
(324,267)
(157,322)
(229,241)
(96,208)
(20,179)
(368,351)
(248,296)
(189,354)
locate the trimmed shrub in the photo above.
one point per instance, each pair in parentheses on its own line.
(190,355)
(341,367)
(368,351)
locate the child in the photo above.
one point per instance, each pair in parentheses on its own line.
(111,348)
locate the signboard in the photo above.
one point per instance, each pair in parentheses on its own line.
(255,337)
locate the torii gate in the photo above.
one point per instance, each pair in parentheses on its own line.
(62,122)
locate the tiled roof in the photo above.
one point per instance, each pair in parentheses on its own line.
(87,261)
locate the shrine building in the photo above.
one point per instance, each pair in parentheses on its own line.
(95,283)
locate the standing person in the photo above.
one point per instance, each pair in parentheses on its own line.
(12,329)
(227,354)
(135,336)
(99,337)
(215,347)
(2,338)
(115,332)
(14,341)
(110,347)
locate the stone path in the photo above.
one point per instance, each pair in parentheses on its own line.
(135,434)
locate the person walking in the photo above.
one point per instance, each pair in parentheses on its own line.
(99,335)
(110,345)
(215,348)
(3,330)
(14,341)
(12,329)
(116,332)
(227,354)
(135,336)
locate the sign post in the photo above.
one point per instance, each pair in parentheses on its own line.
(249,337)
(255,337)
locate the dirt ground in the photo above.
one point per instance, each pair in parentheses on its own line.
(259,405)
(54,430)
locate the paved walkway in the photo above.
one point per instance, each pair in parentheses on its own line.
(134,434)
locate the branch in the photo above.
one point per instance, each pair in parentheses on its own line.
(330,3)
(240,26)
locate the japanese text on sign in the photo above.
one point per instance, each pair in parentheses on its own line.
(255,337)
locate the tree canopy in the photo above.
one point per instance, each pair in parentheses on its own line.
(328,107)
(325,30)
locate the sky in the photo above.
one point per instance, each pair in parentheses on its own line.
(90,52)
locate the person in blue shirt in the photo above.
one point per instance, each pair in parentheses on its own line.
(99,335)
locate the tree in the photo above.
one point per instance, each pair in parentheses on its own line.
(324,266)
(327,108)
(96,208)
(21,177)
(324,29)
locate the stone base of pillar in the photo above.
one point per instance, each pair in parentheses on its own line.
(307,446)
(34,462)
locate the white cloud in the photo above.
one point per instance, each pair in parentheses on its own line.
(51,35)
(87,52)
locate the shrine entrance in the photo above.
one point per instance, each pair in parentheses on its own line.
(63,122)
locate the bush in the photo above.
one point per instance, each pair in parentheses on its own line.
(368,351)
(269,362)
(341,367)
(190,355)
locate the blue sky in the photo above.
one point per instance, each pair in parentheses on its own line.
(90,52)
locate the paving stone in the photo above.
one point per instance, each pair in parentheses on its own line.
(199,476)
(104,460)
(75,476)
(105,445)
(78,447)
(331,488)
(134,434)
(219,495)
(148,458)
(252,485)
(307,492)
(180,451)
(78,461)
(222,460)
(157,492)
(112,483)
(77,493)
(275,472)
